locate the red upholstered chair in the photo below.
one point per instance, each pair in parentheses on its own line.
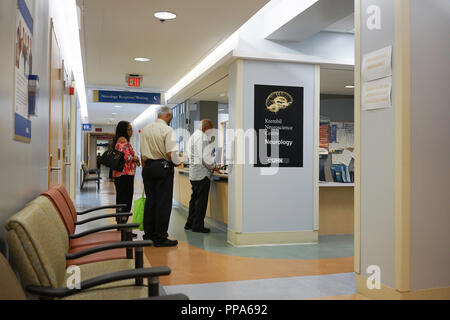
(91,239)
(69,216)
(62,190)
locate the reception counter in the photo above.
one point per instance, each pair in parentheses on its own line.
(218,195)
(335,202)
(336,215)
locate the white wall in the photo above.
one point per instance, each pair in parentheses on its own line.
(147,117)
(323,47)
(281,202)
(430,153)
(24,166)
(378,161)
(24,173)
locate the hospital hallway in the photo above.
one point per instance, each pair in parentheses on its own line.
(293,151)
(206,267)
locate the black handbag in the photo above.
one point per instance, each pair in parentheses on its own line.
(113,159)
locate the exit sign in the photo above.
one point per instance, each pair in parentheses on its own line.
(134,81)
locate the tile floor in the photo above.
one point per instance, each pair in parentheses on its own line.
(207,267)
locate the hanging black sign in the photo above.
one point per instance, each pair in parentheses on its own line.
(279,126)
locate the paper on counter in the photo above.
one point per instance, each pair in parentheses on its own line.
(344,158)
(323,151)
(347,157)
(337,158)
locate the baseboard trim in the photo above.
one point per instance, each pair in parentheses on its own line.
(210,222)
(272,238)
(388,293)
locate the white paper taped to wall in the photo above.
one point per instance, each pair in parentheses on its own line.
(377,64)
(377,94)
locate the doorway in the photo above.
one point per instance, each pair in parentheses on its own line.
(97,144)
(336,147)
(65,129)
(55,111)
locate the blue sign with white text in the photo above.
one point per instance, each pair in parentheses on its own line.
(127,97)
(87,127)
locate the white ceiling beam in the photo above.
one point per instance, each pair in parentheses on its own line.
(295,20)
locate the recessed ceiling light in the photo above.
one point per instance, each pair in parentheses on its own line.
(350,87)
(165,15)
(142,59)
(117,107)
(221,109)
(223,94)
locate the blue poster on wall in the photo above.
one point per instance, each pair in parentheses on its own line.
(22,69)
(126,97)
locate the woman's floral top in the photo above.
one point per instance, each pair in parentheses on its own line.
(129,168)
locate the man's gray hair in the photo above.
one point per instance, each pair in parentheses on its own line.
(164,110)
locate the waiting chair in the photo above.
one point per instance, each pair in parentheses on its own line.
(39,244)
(63,203)
(11,289)
(89,175)
(85,254)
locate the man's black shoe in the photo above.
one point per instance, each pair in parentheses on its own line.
(186,227)
(202,230)
(146,237)
(165,243)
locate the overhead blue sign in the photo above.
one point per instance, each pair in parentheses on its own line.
(127,97)
(87,127)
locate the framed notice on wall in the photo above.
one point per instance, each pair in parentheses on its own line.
(23,66)
(279,126)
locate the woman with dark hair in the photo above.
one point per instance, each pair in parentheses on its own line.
(124,180)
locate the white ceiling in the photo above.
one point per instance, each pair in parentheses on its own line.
(333,81)
(117,31)
(114,32)
(346,25)
(318,16)
(217,91)
(102,113)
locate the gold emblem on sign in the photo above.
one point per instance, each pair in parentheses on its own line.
(278,100)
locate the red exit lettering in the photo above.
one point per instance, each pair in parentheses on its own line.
(134,82)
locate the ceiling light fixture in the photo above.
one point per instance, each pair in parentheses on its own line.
(350,87)
(142,59)
(223,94)
(117,107)
(165,15)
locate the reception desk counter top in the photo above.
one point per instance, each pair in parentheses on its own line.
(216,175)
(335,202)
(218,195)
